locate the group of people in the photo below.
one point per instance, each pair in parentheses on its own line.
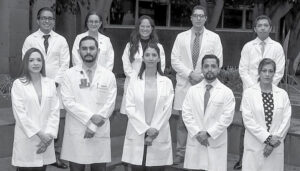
(87,91)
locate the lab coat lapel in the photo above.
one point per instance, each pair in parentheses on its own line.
(44,91)
(52,42)
(204,39)
(31,90)
(187,42)
(260,113)
(276,97)
(160,90)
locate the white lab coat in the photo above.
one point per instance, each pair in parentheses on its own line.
(32,117)
(256,130)
(132,69)
(106,56)
(181,60)
(81,104)
(57,58)
(217,117)
(160,153)
(251,56)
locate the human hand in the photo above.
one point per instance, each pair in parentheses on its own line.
(202,138)
(195,77)
(148,141)
(89,133)
(97,120)
(45,138)
(275,141)
(267,150)
(152,132)
(42,147)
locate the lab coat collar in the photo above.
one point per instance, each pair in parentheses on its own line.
(39,33)
(275,89)
(100,36)
(215,84)
(258,41)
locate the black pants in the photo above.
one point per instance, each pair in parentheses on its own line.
(143,167)
(81,167)
(43,168)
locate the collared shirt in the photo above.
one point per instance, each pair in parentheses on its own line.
(87,70)
(214,84)
(193,36)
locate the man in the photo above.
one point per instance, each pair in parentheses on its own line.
(207,111)
(188,50)
(88,93)
(55,50)
(252,53)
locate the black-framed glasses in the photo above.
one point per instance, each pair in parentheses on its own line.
(47,18)
(201,16)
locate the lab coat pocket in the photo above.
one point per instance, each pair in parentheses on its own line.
(102,94)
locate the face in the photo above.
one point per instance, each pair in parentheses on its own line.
(151,58)
(88,51)
(198,19)
(266,74)
(263,29)
(46,21)
(93,23)
(145,29)
(210,69)
(35,63)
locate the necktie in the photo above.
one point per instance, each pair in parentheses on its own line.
(262,47)
(89,74)
(207,95)
(46,43)
(196,49)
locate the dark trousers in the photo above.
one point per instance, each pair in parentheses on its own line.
(81,167)
(143,167)
(31,168)
(241,148)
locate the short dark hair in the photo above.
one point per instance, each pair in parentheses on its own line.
(261,17)
(211,56)
(88,38)
(266,61)
(88,16)
(45,9)
(24,74)
(199,7)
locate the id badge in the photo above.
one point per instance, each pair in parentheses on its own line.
(84,83)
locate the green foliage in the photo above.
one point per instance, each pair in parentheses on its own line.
(5,84)
(231,78)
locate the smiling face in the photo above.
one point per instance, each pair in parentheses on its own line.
(198,19)
(262,29)
(46,21)
(210,69)
(266,74)
(35,63)
(145,29)
(93,23)
(151,58)
(88,51)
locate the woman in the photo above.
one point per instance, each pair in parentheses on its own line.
(36,110)
(94,23)
(143,33)
(148,142)
(266,113)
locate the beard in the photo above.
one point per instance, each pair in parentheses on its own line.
(210,76)
(88,58)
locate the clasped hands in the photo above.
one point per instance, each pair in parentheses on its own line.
(151,133)
(273,143)
(202,138)
(98,121)
(195,77)
(46,140)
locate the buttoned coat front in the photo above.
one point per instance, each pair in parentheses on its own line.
(132,69)
(81,104)
(160,152)
(256,130)
(181,60)
(215,120)
(31,117)
(106,56)
(57,58)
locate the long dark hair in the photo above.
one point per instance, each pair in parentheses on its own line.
(143,66)
(87,19)
(135,36)
(24,75)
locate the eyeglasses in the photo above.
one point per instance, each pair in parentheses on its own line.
(93,22)
(201,16)
(47,18)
